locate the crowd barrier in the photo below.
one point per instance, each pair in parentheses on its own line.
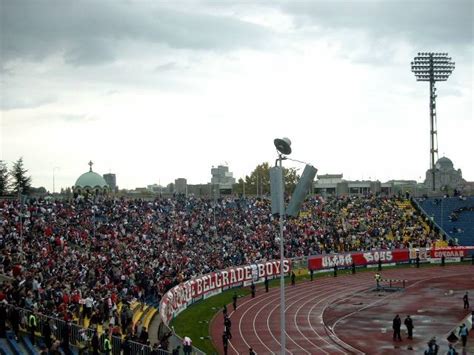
(183,295)
(394,256)
(78,336)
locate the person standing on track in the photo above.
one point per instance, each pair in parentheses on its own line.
(409,324)
(433,348)
(234,301)
(396,325)
(293,278)
(227,327)
(252,289)
(378,278)
(451,350)
(466,300)
(225,342)
(266,284)
(463,333)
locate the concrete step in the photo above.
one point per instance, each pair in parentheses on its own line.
(4,347)
(16,347)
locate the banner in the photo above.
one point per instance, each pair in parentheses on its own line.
(179,297)
(327,261)
(451,252)
(422,253)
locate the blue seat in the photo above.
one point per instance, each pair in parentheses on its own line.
(14,346)
(4,347)
(28,345)
(440,210)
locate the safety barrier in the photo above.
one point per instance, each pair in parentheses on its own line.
(383,256)
(183,295)
(78,336)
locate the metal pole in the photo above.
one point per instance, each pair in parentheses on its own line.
(432,118)
(20,197)
(282,256)
(54,179)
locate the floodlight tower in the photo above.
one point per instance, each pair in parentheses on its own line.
(283,147)
(432,67)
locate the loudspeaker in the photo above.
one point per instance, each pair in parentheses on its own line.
(277,189)
(301,190)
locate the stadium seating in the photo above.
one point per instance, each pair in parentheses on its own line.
(454,215)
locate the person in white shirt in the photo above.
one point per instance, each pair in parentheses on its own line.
(187,345)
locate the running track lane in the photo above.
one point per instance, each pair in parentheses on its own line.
(256,321)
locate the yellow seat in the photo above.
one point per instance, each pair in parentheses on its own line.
(149,316)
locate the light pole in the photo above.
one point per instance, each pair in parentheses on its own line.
(54,169)
(432,67)
(284,148)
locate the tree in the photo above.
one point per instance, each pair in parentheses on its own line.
(258,183)
(3,178)
(21,183)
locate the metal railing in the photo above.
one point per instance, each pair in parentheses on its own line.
(176,340)
(79,337)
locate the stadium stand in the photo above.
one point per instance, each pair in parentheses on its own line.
(105,264)
(453,215)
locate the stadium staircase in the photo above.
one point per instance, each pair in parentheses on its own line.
(9,345)
(440,210)
(142,313)
(410,209)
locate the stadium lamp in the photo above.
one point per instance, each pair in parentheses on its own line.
(283,145)
(432,67)
(277,191)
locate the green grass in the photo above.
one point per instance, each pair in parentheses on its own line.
(195,320)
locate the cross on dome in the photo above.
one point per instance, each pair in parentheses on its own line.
(90,165)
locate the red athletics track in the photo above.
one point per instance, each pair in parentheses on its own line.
(344,315)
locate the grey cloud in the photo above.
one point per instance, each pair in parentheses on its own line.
(89,33)
(422,22)
(16,102)
(89,52)
(167,67)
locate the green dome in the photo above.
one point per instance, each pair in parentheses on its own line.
(90,179)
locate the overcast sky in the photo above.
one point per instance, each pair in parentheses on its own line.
(154,90)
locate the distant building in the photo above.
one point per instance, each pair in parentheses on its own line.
(181,186)
(155,188)
(208,191)
(446,177)
(90,183)
(223,178)
(334,184)
(327,184)
(111,180)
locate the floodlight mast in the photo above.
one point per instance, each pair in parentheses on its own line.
(283,147)
(432,67)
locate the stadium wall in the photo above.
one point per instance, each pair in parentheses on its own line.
(183,295)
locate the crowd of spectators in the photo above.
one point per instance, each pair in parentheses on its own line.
(65,254)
